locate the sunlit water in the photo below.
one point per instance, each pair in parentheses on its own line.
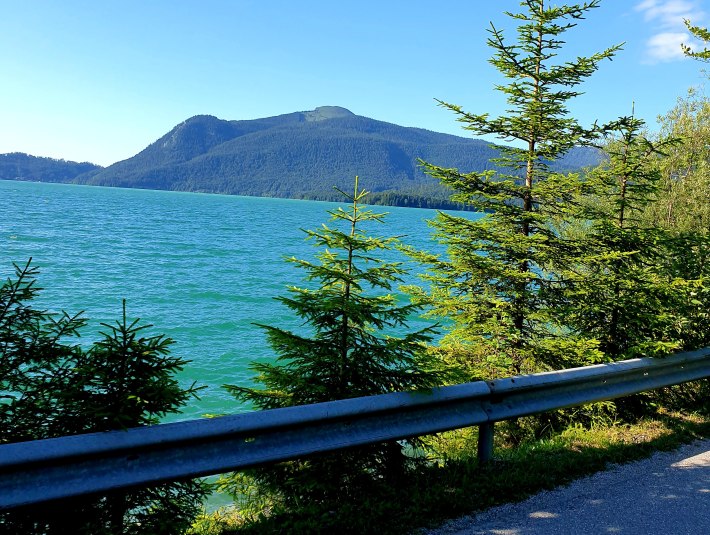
(201,268)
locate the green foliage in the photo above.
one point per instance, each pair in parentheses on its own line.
(700,33)
(683,210)
(51,386)
(217,522)
(494,280)
(345,350)
(438,492)
(684,191)
(36,359)
(689,261)
(127,380)
(618,292)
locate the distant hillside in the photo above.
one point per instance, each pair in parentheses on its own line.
(303,155)
(20,166)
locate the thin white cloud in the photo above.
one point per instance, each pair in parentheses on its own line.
(665,46)
(666,18)
(669,13)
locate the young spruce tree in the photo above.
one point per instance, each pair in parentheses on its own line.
(641,287)
(50,386)
(620,293)
(492,282)
(349,350)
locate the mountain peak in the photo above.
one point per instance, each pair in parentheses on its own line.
(300,155)
(322,113)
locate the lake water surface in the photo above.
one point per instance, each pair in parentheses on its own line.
(201,268)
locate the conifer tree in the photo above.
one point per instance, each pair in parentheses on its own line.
(51,386)
(492,282)
(703,35)
(348,349)
(37,351)
(620,293)
(641,286)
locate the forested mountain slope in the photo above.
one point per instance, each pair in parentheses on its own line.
(21,166)
(302,155)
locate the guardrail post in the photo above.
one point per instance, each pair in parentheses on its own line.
(485,443)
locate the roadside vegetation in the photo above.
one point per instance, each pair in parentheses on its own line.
(51,385)
(561,270)
(454,485)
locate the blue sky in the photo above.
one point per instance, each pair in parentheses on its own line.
(98,81)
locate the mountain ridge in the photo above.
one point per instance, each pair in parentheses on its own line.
(304,155)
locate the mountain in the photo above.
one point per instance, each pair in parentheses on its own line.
(20,166)
(303,155)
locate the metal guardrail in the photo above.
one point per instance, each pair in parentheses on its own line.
(45,470)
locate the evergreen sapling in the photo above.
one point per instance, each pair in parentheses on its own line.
(348,348)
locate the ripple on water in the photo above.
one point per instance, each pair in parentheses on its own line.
(201,268)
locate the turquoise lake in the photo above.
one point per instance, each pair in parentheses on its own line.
(201,268)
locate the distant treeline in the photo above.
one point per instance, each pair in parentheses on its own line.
(20,166)
(396,198)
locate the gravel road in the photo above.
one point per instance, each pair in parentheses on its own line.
(666,494)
